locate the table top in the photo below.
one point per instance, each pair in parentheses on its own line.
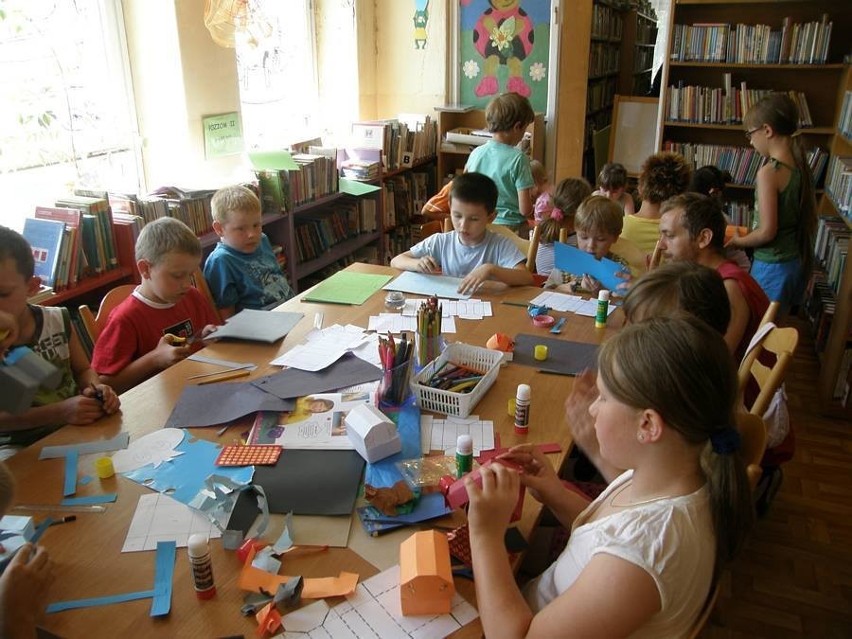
(87,552)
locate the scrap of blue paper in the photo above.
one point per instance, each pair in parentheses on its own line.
(102,446)
(572,260)
(162,592)
(384,473)
(72,457)
(92,499)
(423,284)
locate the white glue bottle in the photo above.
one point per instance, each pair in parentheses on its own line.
(198,549)
(464,455)
(522,409)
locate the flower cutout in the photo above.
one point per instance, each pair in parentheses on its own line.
(503,35)
(538,72)
(470,69)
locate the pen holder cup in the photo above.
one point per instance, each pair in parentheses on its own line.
(394,385)
(427,349)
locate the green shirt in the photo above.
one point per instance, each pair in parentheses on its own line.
(784,247)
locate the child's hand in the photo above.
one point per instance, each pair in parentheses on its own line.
(590,284)
(210,328)
(81,409)
(626,278)
(108,399)
(427,264)
(167,353)
(491,506)
(537,474)
(23,591)
(476,278)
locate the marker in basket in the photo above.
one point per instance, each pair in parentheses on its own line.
(522,409)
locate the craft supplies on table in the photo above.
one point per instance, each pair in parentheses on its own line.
(428,336)
(396,359)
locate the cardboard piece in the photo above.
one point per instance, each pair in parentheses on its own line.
(215,404)
(372,433)
(258,326)
(425,577)
(563,357)
(291,383)
(346,288)
(457,493)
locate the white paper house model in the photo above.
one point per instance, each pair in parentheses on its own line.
(372,434)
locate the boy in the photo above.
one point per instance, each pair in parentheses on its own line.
(242,271)
(146,332)
(598,224)
(47,331)
(470,251)
(507,116)
(612,183)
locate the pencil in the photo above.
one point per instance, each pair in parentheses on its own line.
(225,376)
(512,303)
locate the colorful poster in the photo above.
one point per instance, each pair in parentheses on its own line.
(504,46)
(223,135)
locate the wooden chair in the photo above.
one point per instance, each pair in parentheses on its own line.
(448,224)
(656,257)
(200,284)
(781,342)
(753,435)
(424,230)
(771,313)
(532,251)
(95,323)
(522,244)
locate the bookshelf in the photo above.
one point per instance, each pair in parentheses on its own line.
(637,51)
(719,47)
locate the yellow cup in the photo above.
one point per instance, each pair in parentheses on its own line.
(104,468)
(540,352)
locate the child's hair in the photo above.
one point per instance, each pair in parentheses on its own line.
(567,197)
(679,287)
(700,212)
(163,236)
(7,488)
(681,368)
(474,188)
(778,111)
(14,245)
(612,176)
(506,110)
(233,198)
(539,173)
(663,175)
(599,213)
(707,179)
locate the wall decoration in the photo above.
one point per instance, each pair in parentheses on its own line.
(504,46)
(421,19)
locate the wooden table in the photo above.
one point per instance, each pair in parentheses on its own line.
(87,552)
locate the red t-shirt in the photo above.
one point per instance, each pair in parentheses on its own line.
(755,299)
(134,328)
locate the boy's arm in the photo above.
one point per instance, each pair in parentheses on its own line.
(525,203)
(151,363)
(408,262)
(517,276)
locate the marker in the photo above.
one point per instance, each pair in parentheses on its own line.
(99,394)
(63,520)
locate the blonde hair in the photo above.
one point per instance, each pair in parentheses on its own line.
(539,173)
(599,213)
(231,199)
(163,236)
(567,196)
(506,110)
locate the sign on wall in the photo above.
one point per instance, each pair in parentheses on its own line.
(223,135)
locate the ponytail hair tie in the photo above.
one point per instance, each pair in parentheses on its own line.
(725,441)
(556,214)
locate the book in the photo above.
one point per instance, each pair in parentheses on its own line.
(45,239)
(75,261)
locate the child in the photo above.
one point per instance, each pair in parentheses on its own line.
(139,339)
(470,251)
(782,233)
(242,271)
(508,116)
(80,398)
(612,183)
(662,531)
(569,194)
(24,582)
(598,223)
(541,193)
(663,175)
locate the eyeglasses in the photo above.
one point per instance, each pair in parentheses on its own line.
(751,132)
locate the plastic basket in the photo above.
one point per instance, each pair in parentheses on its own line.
(458,404)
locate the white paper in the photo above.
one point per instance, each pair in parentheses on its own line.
(322,348)
(445,432)
(158,517)
(153,448)
(396,323)
(463,309)
(589,308)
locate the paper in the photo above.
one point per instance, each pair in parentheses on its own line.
(153,448)
(272,161)
(253,579)
(558,301)
(346,288)
(70,486)
(258,326)
(396,323)
(463,309)
(291,383)
(563,357)
(213,404)
(357,188)
(105,445)
(572,260)
(161,518)
(443,433)
(224,363)
(425,576)
(322,348)
(106,498)
(420,284)
(589,308)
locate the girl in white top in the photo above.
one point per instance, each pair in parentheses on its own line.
(642,557)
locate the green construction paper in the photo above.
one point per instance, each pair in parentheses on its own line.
(354,187)
(272,161)
(347,288)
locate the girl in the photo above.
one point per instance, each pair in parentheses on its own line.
(643,556)
(612,183)
(782,233)
(542,194)
(567,197)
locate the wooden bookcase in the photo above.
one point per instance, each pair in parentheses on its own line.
(637,53)
(823,85)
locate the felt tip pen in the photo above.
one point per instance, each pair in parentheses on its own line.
(64,520)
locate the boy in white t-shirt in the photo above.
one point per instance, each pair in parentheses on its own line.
(470,250)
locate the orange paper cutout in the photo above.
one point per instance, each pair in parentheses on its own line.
(253,579)
(425,575)
(268,619)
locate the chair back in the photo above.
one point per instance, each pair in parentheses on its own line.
(448,224)
(752,431)
(200,285)
(522,244)
(94,324)
(422,231)
(771,313)
(780,342)
(532,251)
(656,257)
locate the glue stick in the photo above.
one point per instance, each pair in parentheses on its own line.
(602,310)
(202,567)
(464,455)
(522,409)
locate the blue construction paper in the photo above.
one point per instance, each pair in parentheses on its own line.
(93,499)
(102,446)
(85,479)
(98,601)
(71,459)
(164,570)
(384,473)
(422,284)
(572,260)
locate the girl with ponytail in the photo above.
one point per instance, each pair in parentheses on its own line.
(783,230)
(643,557)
